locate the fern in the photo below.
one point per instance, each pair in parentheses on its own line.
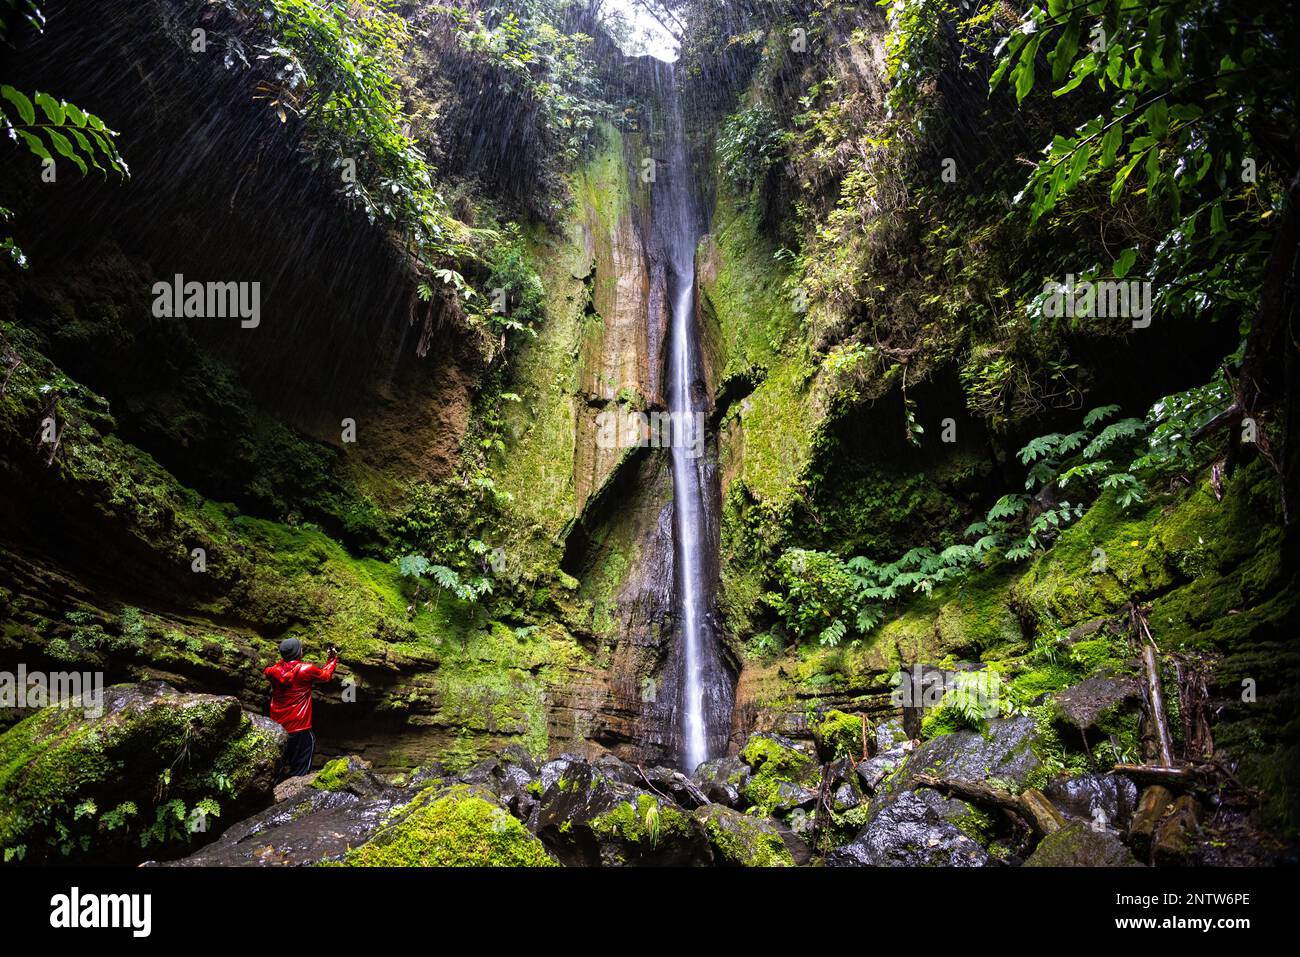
(1115,432)
(1008,506)
(1099,414)
(1039,447)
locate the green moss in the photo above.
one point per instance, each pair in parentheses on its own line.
(743,841)
(649,821)
(839,735)
(774,763)
(334,776)
(454,828)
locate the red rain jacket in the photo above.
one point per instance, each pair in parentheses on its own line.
(291,683)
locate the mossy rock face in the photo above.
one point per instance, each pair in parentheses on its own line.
(743,840)
(152,774)
(459,827)
(775,761)
(1078,845)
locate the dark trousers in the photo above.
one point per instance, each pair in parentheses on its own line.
(298,754)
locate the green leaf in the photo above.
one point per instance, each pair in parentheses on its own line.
(35,145)
(1123,263)
(1110,144)
(26,112)
(65,148)
(51,107)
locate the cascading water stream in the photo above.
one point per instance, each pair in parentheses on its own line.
(703,690)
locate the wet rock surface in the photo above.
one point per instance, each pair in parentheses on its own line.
(1103,800)
(916,829)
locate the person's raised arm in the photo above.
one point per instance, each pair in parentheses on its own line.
(326,673)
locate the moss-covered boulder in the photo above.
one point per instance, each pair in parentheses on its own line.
(461,826)
(743,840)
(1078,845)
(351,774)
(150,772)
(775,762)
(840,735)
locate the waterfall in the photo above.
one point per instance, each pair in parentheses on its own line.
(704,690)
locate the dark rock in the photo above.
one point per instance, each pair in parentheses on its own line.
(351,774)
(794,843)
(790,796)
(1081,706)
(587,818)
(674,784)
(1078,845)
(845,798)
(916,829)
(616,769)
(873,772)
(1004,753)
(514,754)
(890,735)
(312,827)
(1105,800)
(550,772)
(722,779)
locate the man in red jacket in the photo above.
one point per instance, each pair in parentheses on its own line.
(291,683)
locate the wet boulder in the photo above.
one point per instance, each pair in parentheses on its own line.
(146,770)
(312,827)
(513,777)
(722,780)
(1078,845)
(918,828)
(890,735)
(743,840)
(873,772)
(1004,753)
(674,784)
(586,818)
(1102,800)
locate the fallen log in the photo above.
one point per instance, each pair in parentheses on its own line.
(1032,806)
(1156,705)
